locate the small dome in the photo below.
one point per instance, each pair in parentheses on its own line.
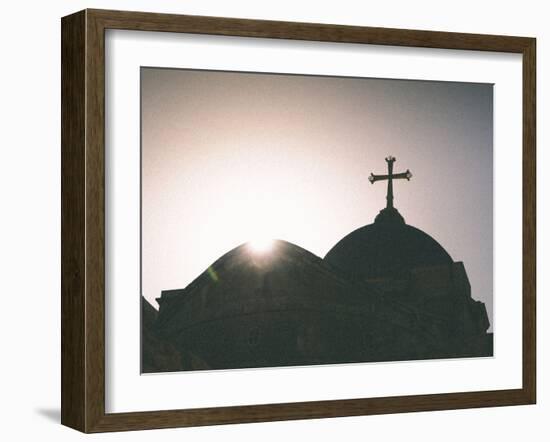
(243,266)
(280,254)
(388,248)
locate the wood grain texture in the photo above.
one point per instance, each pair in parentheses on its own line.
(73,255)
(529,220)
(95,222)
(83,219)
(144,21)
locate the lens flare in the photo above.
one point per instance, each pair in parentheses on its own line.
(261,245)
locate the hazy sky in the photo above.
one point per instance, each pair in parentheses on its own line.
(230,157)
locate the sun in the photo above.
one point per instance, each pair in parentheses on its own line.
(261,245)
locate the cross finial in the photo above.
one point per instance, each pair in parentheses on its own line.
(390,177)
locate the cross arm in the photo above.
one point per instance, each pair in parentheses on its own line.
(373,178)
(403,175)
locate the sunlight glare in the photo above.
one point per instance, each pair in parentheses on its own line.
(261,245)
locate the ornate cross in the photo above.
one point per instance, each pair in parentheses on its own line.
(390,177)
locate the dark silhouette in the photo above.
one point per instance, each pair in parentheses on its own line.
(385,292)
(390,177)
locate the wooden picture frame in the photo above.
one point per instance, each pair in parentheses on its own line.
(83,220)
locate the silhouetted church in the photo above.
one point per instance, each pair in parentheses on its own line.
(385,292)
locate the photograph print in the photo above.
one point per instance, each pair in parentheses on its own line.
(299,220)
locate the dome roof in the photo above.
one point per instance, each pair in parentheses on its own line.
(388,248)
(282,254)
(243,264)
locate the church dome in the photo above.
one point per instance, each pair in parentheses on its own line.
(388,248)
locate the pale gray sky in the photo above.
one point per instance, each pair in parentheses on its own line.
(230,157)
